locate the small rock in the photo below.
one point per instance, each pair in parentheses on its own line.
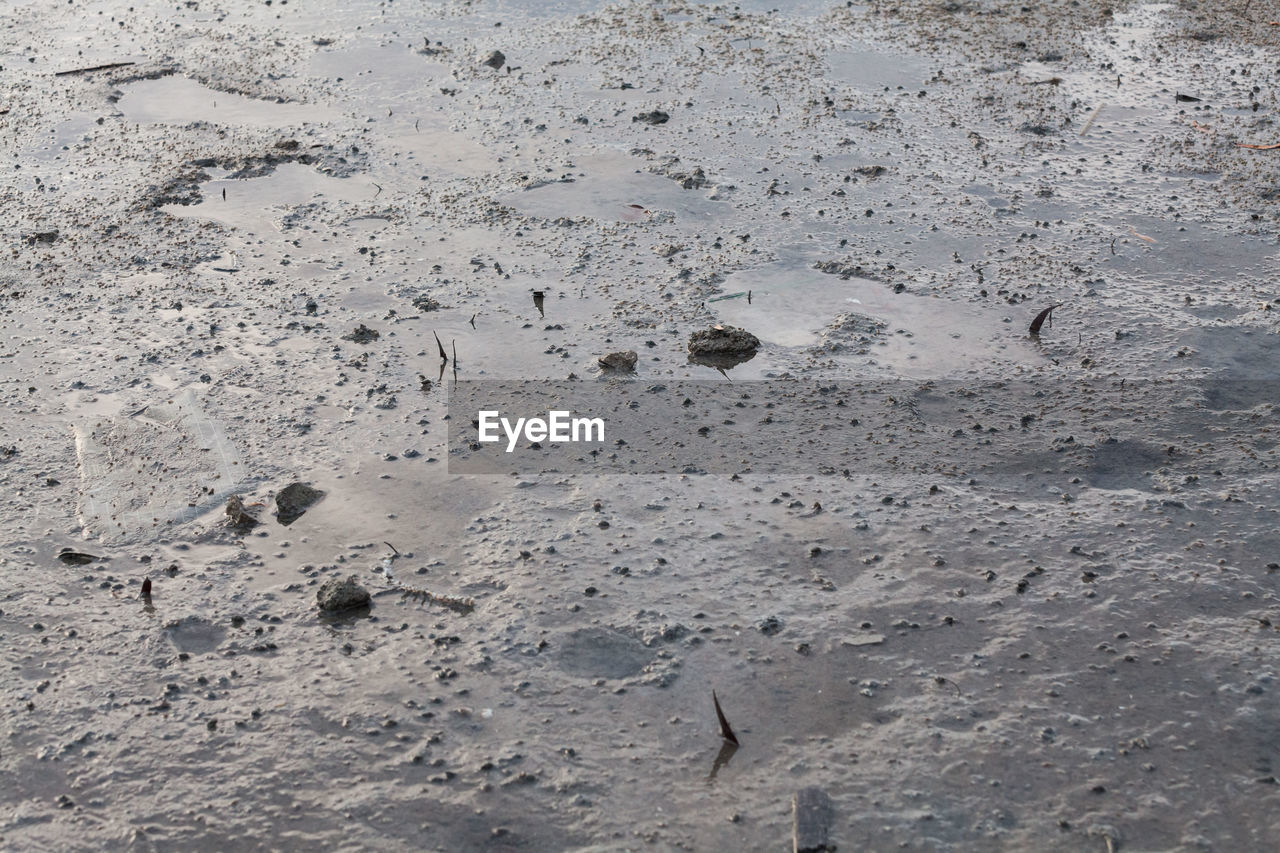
(623,362)
(495,60)
(341,594)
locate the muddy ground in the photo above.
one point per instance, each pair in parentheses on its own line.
(200,244)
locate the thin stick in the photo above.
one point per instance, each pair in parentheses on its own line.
(1088,124)
(106,67)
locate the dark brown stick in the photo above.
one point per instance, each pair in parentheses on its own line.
(106,67)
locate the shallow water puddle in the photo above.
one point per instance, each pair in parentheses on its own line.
(262,204)
(615,188)
(442,150)
(181,100)
(872,70)
(923,336)
(377,69)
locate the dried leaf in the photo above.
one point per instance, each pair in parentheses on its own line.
(1041,317)
(726,731)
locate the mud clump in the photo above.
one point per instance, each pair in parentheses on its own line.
(723,341)
(238,518)
(76,558)
(362,335)
(620,362)
(849,331)
(294,500)
(338,594)
(653,117)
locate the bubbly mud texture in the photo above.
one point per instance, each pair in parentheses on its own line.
(234,264)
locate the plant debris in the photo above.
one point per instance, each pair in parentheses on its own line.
(1046,314)
(107,67)
(238,518)
(726,731)
(452,602)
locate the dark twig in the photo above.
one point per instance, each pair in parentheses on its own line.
(105,67)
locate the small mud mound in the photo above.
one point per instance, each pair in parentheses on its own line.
(602,653)
(849,331)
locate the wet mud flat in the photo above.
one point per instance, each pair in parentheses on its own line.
(233,265)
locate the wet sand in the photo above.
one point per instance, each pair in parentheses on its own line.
(1074,655)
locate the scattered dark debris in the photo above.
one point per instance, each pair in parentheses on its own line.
(653,117)
(1038,129)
